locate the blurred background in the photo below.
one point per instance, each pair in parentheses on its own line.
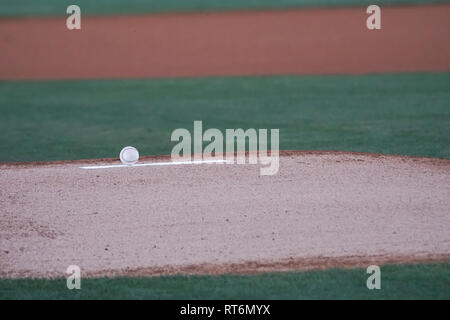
(137,70)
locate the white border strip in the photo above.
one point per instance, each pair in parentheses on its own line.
(174,163)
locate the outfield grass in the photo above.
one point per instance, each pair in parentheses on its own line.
(422,281)
(99,7)
(405,114)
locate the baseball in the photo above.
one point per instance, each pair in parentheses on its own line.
(129,155)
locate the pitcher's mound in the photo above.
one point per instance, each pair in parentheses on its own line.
(322,208)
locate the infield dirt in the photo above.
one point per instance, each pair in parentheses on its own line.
(323,209)
(313,41)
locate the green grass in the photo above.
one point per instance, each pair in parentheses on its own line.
(422,281)
(98,7)
(405,114)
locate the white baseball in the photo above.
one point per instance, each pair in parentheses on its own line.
(129,155)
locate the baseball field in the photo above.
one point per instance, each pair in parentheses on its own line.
(364,137)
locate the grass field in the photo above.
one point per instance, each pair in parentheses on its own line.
(398,114)
(58,7)
(405,114)
(422,281)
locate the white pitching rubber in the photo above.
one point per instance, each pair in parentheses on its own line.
(174,163)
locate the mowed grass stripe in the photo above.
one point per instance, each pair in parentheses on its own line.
(406,114)
(421,281)
(10,8)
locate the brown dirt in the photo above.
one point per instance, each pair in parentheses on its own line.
(285,265)
(313,41)
(322,209)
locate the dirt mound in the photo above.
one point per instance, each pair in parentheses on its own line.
(322,209)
